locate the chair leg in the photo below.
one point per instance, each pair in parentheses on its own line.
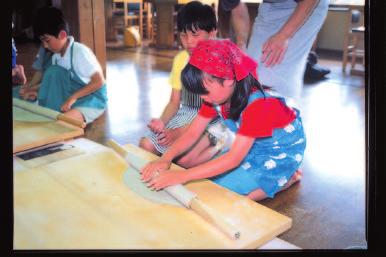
(345,53)
(354,52)
(344,61)
(347,41)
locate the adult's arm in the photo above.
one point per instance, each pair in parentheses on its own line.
(275,47)
(240,24)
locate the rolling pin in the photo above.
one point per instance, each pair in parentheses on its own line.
(183,195)
(52,114)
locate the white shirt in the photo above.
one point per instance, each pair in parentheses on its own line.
(84,61)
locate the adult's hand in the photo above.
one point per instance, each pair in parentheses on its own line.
(274,50)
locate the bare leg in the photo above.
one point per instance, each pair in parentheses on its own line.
(205,155)
(199,153)
(259,194)
(297,176)
(146,144)
(75,114)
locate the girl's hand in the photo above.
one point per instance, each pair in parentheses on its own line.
(67,104)
(153,168)
(274,50)
(168,178)
(168,136)
(156,125)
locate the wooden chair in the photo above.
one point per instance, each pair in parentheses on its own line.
(148,21)
(353,47)
(132,13)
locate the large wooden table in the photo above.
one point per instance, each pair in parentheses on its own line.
(76,199)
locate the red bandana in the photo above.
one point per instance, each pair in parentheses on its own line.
(223,59)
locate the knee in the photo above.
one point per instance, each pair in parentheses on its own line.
(75,114)
(186,162)
(147,145)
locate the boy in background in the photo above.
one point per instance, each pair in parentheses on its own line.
(74,83)
(195,22)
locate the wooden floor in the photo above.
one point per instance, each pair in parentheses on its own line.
(327,206)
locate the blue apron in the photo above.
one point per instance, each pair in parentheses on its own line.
(271,161)
(59,84)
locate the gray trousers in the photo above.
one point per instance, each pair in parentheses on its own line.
(287,77)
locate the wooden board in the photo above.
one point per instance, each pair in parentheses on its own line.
(81,202)
(28,134)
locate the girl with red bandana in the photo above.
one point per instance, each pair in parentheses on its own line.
(269,141)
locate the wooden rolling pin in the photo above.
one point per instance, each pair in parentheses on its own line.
(183,195)
(52,114)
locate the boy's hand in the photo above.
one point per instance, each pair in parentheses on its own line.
(153,168)
(168,136)
(67,104)
(30,95)
(156,125)
(168,178)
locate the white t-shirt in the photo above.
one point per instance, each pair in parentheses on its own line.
(84,61)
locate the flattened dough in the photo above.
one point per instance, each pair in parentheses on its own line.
(132,179)
(19,114)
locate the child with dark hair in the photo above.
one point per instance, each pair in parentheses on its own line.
(74,83)
(269,143)
(195,22)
